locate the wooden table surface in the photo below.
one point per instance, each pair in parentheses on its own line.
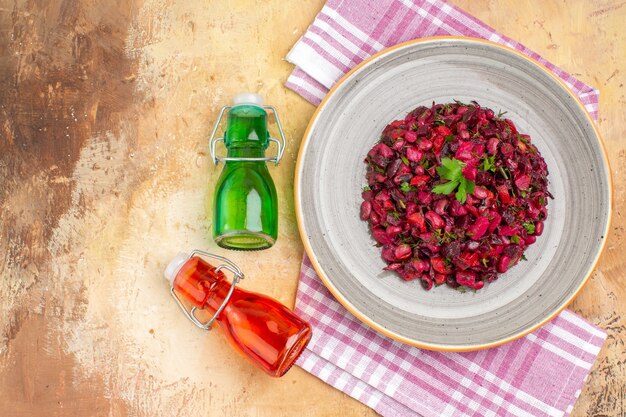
(105,108)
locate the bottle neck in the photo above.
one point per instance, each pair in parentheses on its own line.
(253,151)
(200,285)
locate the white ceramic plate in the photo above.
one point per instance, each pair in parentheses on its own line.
(330,175)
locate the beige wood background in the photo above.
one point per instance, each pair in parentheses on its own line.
(105,108)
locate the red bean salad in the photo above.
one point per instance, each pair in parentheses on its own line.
(455,195)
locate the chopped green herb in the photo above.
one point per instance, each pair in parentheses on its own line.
(378,169)
(503,172)
(450,138)
(484,261)
(461,289)
(500,114)
(405,187)
(401,204)
(439,122)
(524,258)
(515,239)
(530,227)
(449,237)
(405,161)
(394,214)
(542,201)
(489,164)
(367,188)
(460,103)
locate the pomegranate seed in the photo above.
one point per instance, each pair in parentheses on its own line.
(435,220)
(427,282)
(425,145)
(442,130)
(440,279)
(439,265)
(424,197)
(538,228)
(478,229)
(403,252)
(380,236)
(503,263)
(374,219)
(478,285)
(409,276)
(438,142)
(393,266)
(414,155)
(503,193)
(507,231)
(464,151)
(440,206)
(495,222)
(421,265)
(393,230)
(470,172)
(366,210)
(507,149)
(389,253)
(419,180)
(410,136)
(522,182)
(466,278)
(417,219)
(492,146)
(457,209)
(480,192)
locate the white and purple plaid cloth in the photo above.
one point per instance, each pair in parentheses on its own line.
(539,375)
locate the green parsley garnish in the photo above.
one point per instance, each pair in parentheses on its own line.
(405,187)
(450,138)
(405,161)
(515,239)
(501,113)
(530,227)
(367,188)
(452,170)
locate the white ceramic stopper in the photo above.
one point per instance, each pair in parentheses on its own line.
(174,266)
(248,98)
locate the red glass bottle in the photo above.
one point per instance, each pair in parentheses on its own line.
(266,332)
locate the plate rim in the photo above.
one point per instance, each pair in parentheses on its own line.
(442,347)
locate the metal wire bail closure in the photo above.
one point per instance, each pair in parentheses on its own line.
(228,265)
(279,143)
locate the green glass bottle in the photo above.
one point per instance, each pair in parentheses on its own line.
(245,206)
